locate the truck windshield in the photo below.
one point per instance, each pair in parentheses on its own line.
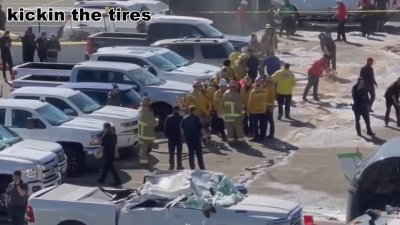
(162,63)
(53,115)
(209,31)
(84,103)
(8,137)
(175,58)
(145,77)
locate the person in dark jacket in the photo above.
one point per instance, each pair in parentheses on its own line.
(328,47)
(6,57)
(16,199)
(252,65)
(193,131)
(53,47)
(114,98)
(3,19)
(271,64)
(108,145)
(41,46)
(367,74)
(173,133)
(361,106)
(28,45)
(392,99)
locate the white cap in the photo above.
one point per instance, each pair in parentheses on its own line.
(223,82)
(244,3)
(268,26)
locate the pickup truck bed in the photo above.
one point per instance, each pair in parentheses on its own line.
(104,39)
(39,80)
(63,69)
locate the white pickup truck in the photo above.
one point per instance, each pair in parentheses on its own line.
(77,104)
(163,94)
(175,198)
(156,64)
(42,163)
(33,119)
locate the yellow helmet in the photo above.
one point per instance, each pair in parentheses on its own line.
(145,101)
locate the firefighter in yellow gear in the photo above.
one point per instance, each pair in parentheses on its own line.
(211,89)
(256,108)
(217,119)
(147,125)
(244,95)
(270,103)
(240,66)
(233,113)
(234,56)
(199,99)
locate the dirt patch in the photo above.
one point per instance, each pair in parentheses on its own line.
(394,49)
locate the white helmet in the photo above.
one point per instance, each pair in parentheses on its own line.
(244,3)
(223,82)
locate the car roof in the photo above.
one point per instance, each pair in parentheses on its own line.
(47,91)
(124,52)
(95,86)
(161,18)
(113,66)
(122,3)
(388,150)
(191,41)
(21,103)
(157,50)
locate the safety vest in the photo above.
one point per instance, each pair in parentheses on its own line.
(232,106)
(147,124)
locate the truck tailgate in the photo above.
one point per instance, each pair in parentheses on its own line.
(39,80)
(50,69)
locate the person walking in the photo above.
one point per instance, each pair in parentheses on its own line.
(285,82)
(392,99)
(108,146)
(269,40)
(172,132)
(366,18)
(315,72)
(271,64)
(270,102)
(341,17)
(382,5)
(252,65)
(241,17)
(233,114)
(16,199)
(244,94)
(3,19)
(6,57)
(256,108)
(41,46)
(219,112)
(147,134)
(193,131)
(288,14)
(28,46)
(255,45)
(368,76)
(360,107)
(53,47)
(328,47)
(114,98)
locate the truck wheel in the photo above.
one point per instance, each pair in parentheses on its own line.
(75,161)
(71,222)
(161,111)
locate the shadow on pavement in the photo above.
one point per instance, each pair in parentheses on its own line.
(354,44)
(279,145)
(299,123)
(248,150)
(381,117)
(297,39)
(374,39)
(378,35)
(394,128)
(342,80)
(374,139)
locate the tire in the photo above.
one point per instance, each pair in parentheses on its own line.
(75,161)
(161,111)
(71,222)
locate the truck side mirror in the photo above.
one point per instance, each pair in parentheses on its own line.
(69,112)
(31,123)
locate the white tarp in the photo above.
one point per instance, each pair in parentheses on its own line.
(194,184)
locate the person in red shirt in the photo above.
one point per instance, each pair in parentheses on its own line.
(314,73)
(241,16)
(341,17)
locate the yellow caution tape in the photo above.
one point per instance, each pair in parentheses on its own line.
(66,43)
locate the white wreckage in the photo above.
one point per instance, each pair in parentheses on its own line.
(176,198)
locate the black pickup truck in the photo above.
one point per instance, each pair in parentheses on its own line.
(159,30)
